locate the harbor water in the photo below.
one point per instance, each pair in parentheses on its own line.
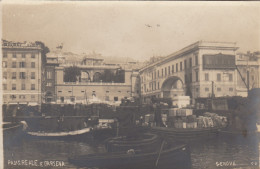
(214,153)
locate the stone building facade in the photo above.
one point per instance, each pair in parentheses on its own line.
(201,69)
(22,73)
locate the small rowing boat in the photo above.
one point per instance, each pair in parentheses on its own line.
(60,134)
(169,157)
(145,141)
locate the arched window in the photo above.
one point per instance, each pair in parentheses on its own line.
(97,77)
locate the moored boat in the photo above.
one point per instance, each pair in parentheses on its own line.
(144,141)
(168,157)
(185,134)
(60,134)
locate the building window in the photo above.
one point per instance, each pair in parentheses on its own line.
(181,66)
(23,55)
(72,98)
(165,71)
(22,64)
(49,84)
(21,96)
(158,86)
(4,64)
(62,99)
(197,90)
(218,77)
(206,89)
(190,77)
(162,72)
(186,78)
(32,64)
(158,73)
(219,89)
(152,75)
(253,77)
(190,62)
(33,55)
(13,64)
(172,68)
(231,89)
(23,86)
(197,76)
(5,86)
(5,55)
(32,97)
(14,55)
(13,97)
(185,64)
(176,67)
(230,77)
(196,59)
(115,98)
(32,75)
(206,77)
(13,75)
(13,86)
(4,75)
(22,75)
(32,86)
(49,75)
(169,70)
(155,74)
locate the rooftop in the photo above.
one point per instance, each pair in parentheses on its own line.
(12,44)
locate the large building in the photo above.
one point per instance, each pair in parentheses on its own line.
(96,81)
(200,70)
(248,65)
(22,73)
(50,79)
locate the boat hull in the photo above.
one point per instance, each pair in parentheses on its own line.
(178,157)
(78,134)
(144,142)
(186,134)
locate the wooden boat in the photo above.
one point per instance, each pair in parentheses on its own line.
(145,141)
(186,134)
(62,134)
(163,158)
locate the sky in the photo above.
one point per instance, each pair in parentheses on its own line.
(122,29)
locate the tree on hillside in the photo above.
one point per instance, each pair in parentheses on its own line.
(71,74)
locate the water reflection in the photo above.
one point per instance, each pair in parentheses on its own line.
(205,154)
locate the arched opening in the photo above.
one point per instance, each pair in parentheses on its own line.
(85,76)
(97,77)
(172,87)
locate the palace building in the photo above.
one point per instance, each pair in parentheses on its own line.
(96,81)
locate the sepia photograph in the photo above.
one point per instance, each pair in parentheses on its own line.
(130,85)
